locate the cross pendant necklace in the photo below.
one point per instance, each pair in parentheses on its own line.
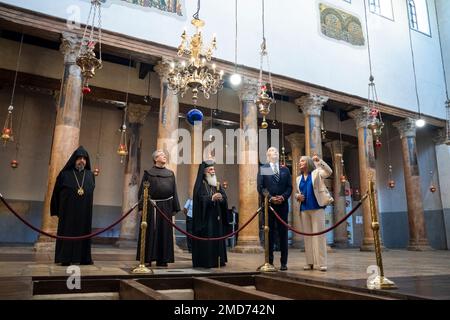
(80,190)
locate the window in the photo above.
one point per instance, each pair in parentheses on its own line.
(418,16)
(382,8)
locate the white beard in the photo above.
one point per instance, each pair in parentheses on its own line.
(211,179)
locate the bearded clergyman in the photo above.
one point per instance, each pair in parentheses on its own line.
(209,219)
(72,201)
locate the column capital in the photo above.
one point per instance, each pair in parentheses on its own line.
(362,117)
(311,104)
(440,136)
(137,113)
(406,127)
(297,140)
(70,46)
(336,147)
(248,89)
(163,69)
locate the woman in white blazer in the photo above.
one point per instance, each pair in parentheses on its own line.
(313,196)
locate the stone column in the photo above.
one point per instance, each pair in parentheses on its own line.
(196,132)
(417,230)
(311,105)
(168,125)
(443,170)
(168,117)
(367,170)
(297,142)
(136,117)
(248,238)
(340,233)
(66,134)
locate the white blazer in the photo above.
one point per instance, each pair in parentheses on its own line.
(318,175)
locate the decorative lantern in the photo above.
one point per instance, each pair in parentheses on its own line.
(357,194)
(86,60)
(283,157)
(378,143)
(122,150)
(391,182)
(193,116)
(432,186)
(7,131)
(263,101)
(96,172)
(14,164)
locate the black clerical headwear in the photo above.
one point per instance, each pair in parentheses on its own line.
(80,152)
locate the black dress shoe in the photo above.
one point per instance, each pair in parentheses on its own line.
(65,264)
(161,264)
(283,267)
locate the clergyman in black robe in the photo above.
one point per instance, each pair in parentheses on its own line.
(209,219)
(163,190)
(72,202)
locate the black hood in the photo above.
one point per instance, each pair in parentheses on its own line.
(80,152)
(201,174)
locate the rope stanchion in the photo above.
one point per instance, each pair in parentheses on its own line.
(190,235)
(323,231)
(78,238)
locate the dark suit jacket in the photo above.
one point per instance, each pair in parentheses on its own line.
(282,188)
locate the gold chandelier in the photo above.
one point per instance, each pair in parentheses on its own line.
(193,72)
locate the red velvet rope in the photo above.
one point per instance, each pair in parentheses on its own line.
(168,220)
(84,237)
(326,230)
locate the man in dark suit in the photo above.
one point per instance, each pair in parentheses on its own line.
(277,181)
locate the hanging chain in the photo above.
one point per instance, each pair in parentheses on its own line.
(128,82)
(17,70)
(99,136)
(20,127)
(100,31)
(265,53)
(414,70)
(442,59)
(368,41)
(83,39)
(236,36)
(196,14)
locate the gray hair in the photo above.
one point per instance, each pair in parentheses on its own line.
(271,149)
(156,153)
(309,163)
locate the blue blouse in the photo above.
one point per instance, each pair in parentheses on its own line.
(306,188)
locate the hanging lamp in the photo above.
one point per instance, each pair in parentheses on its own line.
(263,99)
(376,122)
(86,60)
(7,130)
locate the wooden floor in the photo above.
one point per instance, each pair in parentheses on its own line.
(418,275)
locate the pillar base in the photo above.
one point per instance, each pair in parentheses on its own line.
(341,244)
(126,243)
(44,246)
(248,246)
(177,249)
(371,248)
(419,246)
(300,244)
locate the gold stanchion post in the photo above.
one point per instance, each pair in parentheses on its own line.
(142,268)
(380,281)
(266,267)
